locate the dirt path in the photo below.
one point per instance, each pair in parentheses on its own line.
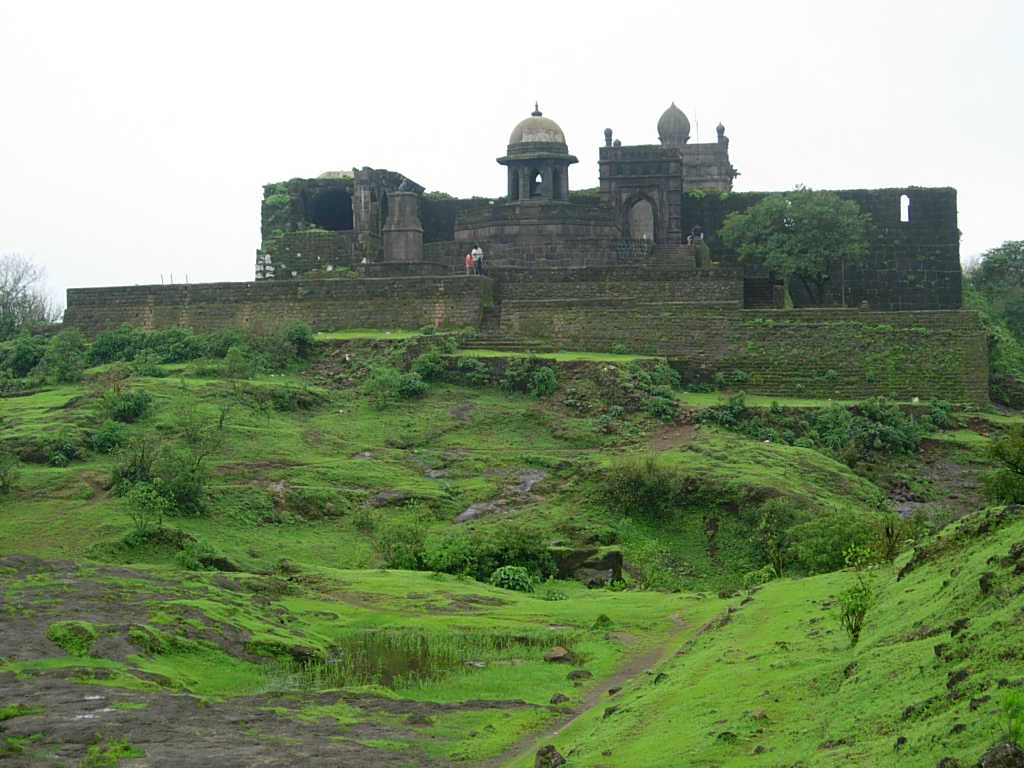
(672,436)
(635,666)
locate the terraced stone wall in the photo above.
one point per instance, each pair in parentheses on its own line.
(409,302)
(822,353)
(634,283)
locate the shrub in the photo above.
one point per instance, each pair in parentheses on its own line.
(124,343)
(620,349)
(756,578)
(478,552)
(109,437)
(411,385)
(65,357)
(542,382)
(663,374)
(854,604)
(430,365)
(146,507)
(147,363)
(512,577)
(195,556)
(300,336)
(817,545)
(238,362)
(381,386)
(642,486)
(428,330)
(661,408)
(473,371)
(66,446)
(126,406)
(182,476)
(217,343)
(175,345)
(1005,484)
(136,463)
(25,354)
(400,543)
(517,374)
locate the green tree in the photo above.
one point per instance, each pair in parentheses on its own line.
(999,276)
(805,235)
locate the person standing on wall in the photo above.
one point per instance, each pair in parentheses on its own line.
(469,262)
(478,260)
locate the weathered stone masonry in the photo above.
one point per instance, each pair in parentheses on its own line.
(446,302)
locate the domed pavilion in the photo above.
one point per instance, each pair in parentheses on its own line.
(538,161)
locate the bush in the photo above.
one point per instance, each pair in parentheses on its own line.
(643,487)
(1005,484)
(473,371)
(512,577)
(381,386)
(220,341)
(182,476)
(126,406)
(65,357)
(400,543)
(854,604)
(239,363)
(430,365)
(109,437)
(121,344)
(411,385)
(478,552)
(428,330)
(517,374)
(300,336)
(147,363)
(817,545)
(542,382)
(661,408)
(136,463)
(25,354)
(175,345)
(146,507)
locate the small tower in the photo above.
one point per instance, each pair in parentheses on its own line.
(673,127)
(538,161)
(403,232)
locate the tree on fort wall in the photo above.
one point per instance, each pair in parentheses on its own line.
(999,275)
(804,235)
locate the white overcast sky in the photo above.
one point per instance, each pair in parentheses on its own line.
(136,136)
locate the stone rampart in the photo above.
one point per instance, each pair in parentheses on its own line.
(821,353)
(405,302)
(639,283)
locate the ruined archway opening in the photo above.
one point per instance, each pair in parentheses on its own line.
(640,222)
(331,209)
(536,183)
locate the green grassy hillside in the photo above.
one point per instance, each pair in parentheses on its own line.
(288,555)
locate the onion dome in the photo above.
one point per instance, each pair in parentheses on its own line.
(673,127)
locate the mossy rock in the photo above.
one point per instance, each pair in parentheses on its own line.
(74,637)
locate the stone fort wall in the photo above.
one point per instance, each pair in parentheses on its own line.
(827,353)
(446,302)
(696,323)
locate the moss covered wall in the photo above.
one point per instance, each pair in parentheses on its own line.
(823,353)
(409,302)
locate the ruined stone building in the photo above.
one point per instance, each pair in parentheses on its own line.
(600,267)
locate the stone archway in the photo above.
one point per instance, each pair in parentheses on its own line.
(640,220)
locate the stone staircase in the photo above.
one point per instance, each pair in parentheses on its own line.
(757,293)
(502,343)
(675,254)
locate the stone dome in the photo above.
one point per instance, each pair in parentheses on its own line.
(673,127)
(537,129)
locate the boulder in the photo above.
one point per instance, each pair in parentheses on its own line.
(579,674)
(559,698)
(580,562)
(548,757)
(1004,755)
(559,655)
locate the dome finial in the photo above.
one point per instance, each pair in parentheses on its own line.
(536,110)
